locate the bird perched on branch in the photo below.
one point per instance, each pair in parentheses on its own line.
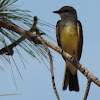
(70,38)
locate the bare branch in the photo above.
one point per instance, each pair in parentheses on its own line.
(87,89)
(51,67)
(8,94)
(9,49)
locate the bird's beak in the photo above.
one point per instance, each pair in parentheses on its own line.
(56,12)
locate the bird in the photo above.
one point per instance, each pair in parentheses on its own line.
(69,36)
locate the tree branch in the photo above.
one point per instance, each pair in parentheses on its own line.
(9,49)
(87,89)
(51,68)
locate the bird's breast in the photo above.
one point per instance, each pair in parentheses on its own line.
(69,38)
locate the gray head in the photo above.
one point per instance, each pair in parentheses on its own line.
(66,11)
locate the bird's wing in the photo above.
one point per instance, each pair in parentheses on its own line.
(58,34)
(80,39)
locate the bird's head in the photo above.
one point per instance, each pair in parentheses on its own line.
(66,11)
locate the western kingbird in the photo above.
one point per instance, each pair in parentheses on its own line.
(70,38)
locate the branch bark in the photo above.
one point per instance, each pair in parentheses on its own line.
(87,89)
(51,68)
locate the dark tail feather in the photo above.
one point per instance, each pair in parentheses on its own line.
(66,79)
(73,82)
(70,79)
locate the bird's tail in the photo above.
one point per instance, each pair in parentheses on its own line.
(71,80)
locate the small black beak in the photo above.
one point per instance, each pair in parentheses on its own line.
(56,12)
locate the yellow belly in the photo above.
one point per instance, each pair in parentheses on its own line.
(69,42)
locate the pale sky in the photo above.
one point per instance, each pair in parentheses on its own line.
(36,83)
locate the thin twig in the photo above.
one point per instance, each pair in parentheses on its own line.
(51,67)
(8,49)
(87,89)
(8,94)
